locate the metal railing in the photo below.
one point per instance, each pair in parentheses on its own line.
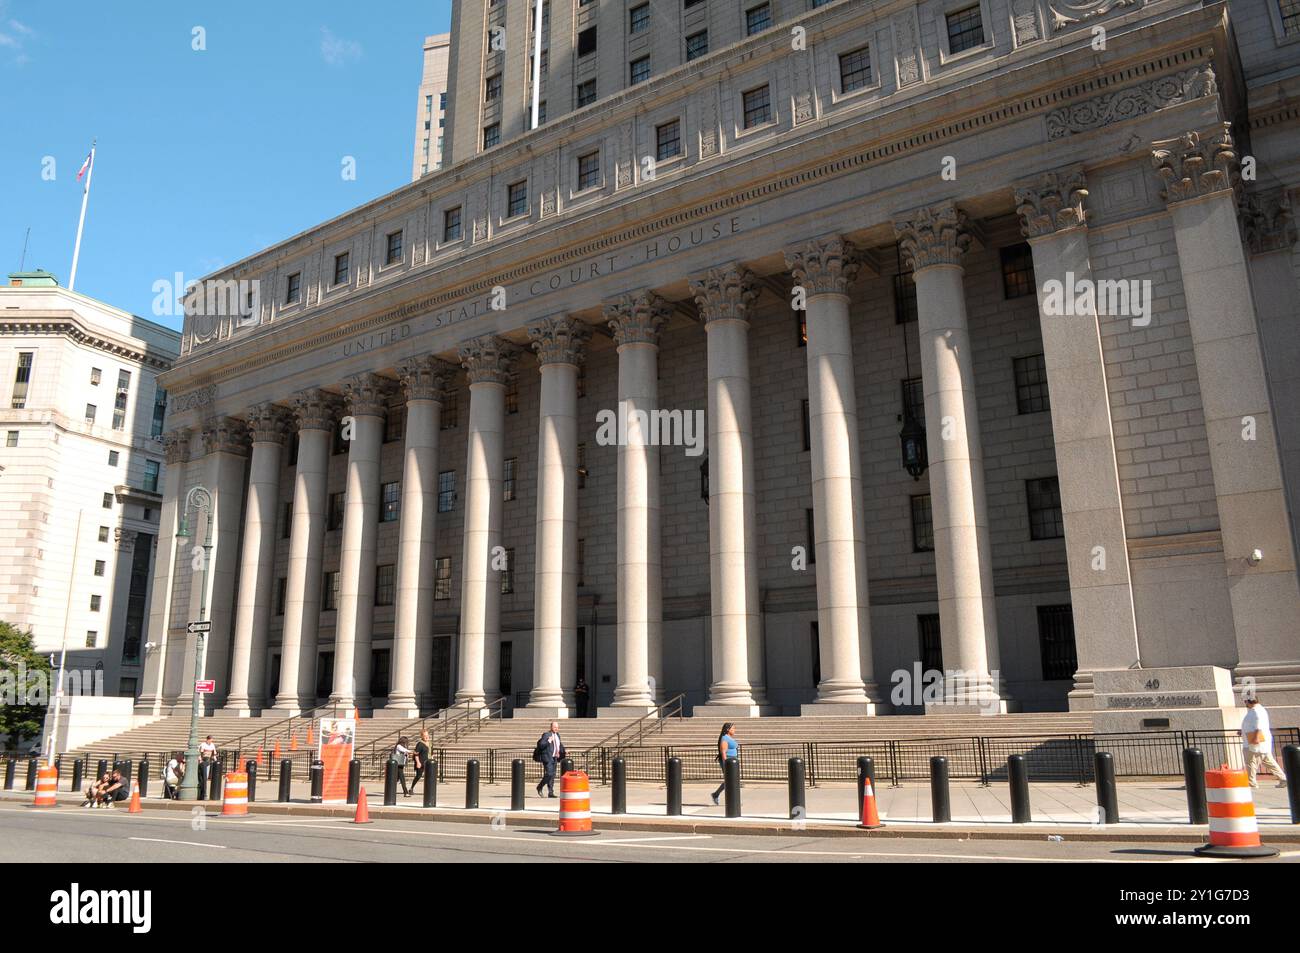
(282,729)
(441,730)
(629,736)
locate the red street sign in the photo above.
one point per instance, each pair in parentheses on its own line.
(205,687)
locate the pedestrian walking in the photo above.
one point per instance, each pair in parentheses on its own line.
(728,749)
(1257,742)
(401,752)
(549,752)
(422,753)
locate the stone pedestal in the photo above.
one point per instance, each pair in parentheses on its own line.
(1183,698)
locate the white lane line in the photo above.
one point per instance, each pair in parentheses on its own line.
(186,843)
(642,840)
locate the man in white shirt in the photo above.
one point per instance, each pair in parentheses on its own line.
(1257,742)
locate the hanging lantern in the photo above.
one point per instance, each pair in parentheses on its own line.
(912,439)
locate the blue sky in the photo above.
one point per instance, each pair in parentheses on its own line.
(203,156)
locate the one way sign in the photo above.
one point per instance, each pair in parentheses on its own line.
(195,627)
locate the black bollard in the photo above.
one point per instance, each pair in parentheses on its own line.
(795,782)
(317,782)
(940,799)
(674,787)
(141,778)
(31,774)
(731,786)
(11,766)
(1018,775)
(1194,779)
(390,783)
(78,767)
(1107,799)
(1291,765)
(866,769)
(471,784)
(214,781)
(125,767)
(102,769)
(354,780)
(286,779)
(618,794)
(566,765)
(431,784)
(250,768)
(517,784)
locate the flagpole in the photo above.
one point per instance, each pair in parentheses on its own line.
(81,222)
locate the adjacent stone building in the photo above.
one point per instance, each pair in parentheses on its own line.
(989,308)
(431,113)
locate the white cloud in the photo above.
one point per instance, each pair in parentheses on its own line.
(13,36)
(335,50)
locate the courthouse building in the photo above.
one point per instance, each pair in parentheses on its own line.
(859,238)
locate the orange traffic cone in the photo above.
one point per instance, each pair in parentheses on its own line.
(293,741)
(870,819)
(309,742)
(275,755)
(363,809)
(135,801)
(355,715)
(259,756)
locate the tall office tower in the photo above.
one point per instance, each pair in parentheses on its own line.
(431,111)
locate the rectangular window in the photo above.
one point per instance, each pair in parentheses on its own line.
(806,421)
(1044,497)
(965,30)
(286,519)
(492,88)
(810,534)
(1290,11)
(508,479)
(512,393)
(588,171)
(668,140)
(92,640)
(758,107)
(1056,642)
(638,71)
(385,584)
(340,443)
(451,224)
(293,288)
(697,45)
(691,3)
(394,425)
(113,456)
(108,501)
(801,317)
(91,411)
(855,70)
(450,416)
(586,93)
(442,578)
(338,504)
(1031,384)
(758,19)
(152,468)
(517,199)
(394,253)
(587,41)
(390,502)
(904,298)
(22,378)
(922,525)
(119,399)
(329,597)
(103,534)
(1017,271)
(341,269)
(446,491)
(582,466)
(639,19)
(491,135)
(96,375)
(11,440)
(281,594)
(159,411)
(508,574)
(99,567)
(927,628)
(913,399)
(95,602)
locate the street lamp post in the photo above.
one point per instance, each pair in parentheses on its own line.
(201,498)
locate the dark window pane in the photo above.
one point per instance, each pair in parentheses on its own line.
(1031,384)
(922,525)
(1044,497)
(1017,271)
(668,140)
(758,107)
(1056,642)
(855,70)
(965,30)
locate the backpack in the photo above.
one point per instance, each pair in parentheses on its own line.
(400,758)
(539,751)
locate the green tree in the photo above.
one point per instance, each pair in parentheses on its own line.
(24,686)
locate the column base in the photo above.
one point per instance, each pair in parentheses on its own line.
(290,709)
(626,712)
(240,711)
(451,711)
(542,711)
(993,706)
(728,710)
(401,711)
(838,709)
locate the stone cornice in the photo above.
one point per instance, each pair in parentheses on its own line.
(559,339)
(366,395)
(725,294)
(68,327)
(1195,164)
(935,235)
(637,318)
(1052,202)
(824,265)
(488,359)
(425,378)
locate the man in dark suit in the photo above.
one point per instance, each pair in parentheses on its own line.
(550,752)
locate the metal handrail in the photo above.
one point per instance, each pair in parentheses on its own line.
(282,727)
(450,728)
(651,719)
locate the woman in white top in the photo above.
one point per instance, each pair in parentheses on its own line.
(401,752)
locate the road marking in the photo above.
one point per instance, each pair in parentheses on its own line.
(642,840)
(187,843)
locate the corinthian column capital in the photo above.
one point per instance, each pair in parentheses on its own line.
(1196,164)
(425,378)
(725,293)
(1267,223)
(1052,202)
(935,235)
(367,394)
(488,359)
(559,339)
(824,265)
(176,445)
(637,318)
(267,423)
(315,409)
(225,435)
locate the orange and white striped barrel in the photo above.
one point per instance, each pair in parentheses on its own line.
(234,802)
(575,803)
(47,786)
(1234,832)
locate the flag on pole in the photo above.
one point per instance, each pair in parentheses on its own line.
(86,165)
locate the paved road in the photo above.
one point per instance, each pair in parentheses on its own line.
(91,837)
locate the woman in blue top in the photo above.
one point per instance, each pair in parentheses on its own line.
(728,750)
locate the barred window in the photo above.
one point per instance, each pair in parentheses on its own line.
(965,29)
(855,70)
(586,93)
(582,379)
(442,578)
(394,248)
(639,71)
(1056,642)
(1031,384)
(758,107)
(338,503)
(508,479)
(1044,498)
(1017,271)
(1290,11)
(758,19)
(588,171)
(451,224)
(385,584)
(108,501)
(508,574)
(517,199)
(639,18)
(341,269)
(449,419)
(927,629)
(697,45)
(329,597)
(446,491)
(668,140)
(491,135)
(922,524)
(394,424)
(512,393)
(390,502)
(492,87)
(904,298)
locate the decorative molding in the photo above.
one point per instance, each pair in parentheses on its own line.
(267,423)
(637,318)
(559,339)
(709,124)
(1024,20)
(936,235)
(488,359)
(225,435)
(176,446)
(192,400)
(20,323)
(1267,221)
(1052,202)
(1195,83)
(824,265)
(124,539)
(727,293)
(366,395)
(315,409)
(626,157)
(907,48)
(1195,164)
(801,81)
(1066,12)
(425,378)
